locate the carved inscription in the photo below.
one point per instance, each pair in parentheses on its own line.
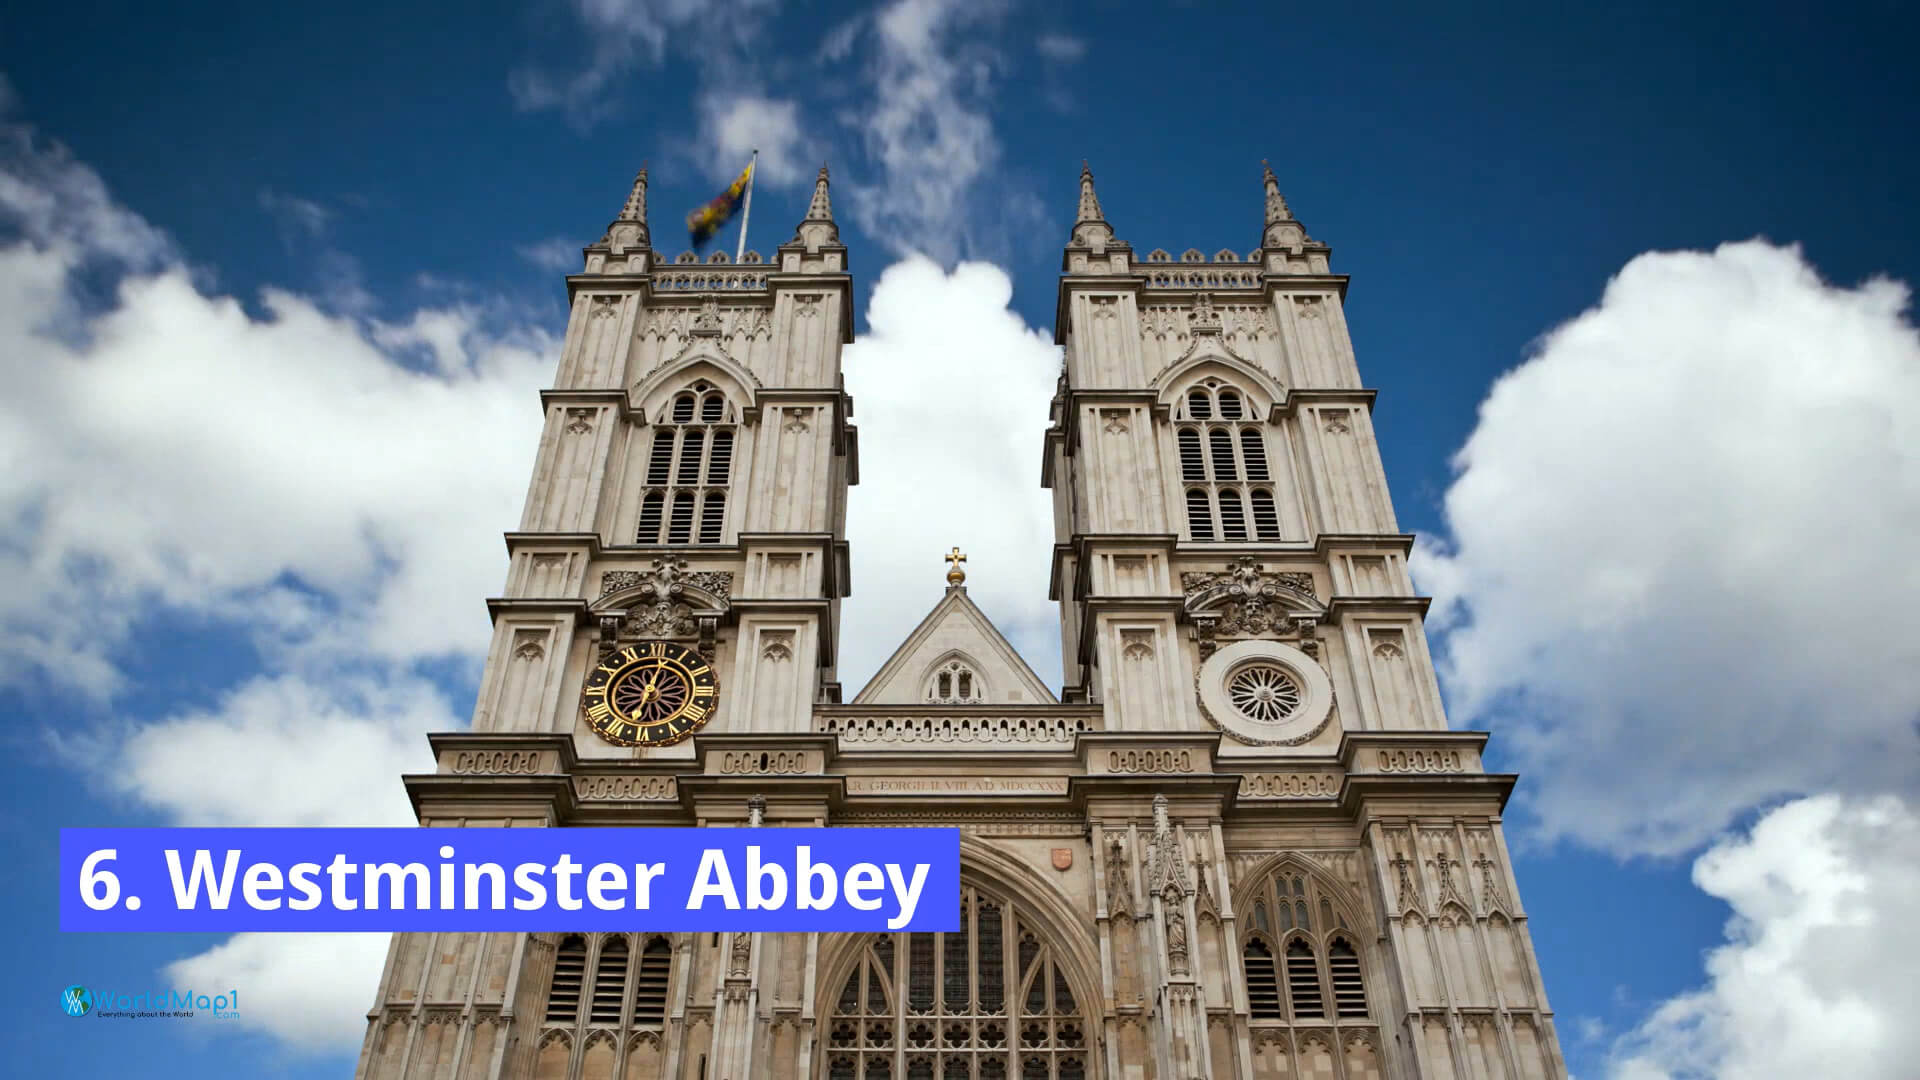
(956,785)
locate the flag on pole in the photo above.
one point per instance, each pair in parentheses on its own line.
(703,223)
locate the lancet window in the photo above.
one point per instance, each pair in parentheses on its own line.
(1301,956)
(688,469)
(990,1002)
(1224,469)
(955,683)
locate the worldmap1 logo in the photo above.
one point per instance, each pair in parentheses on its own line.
(77,1000)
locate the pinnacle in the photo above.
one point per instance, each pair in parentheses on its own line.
(636,208)
(1089,202)
(1276,203)
(821,209)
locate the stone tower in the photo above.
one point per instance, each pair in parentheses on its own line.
(1240,842)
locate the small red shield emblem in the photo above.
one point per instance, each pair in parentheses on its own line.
(1062,858)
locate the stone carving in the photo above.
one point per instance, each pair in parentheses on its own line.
(1387,650)
(958,729)
(1150,761)
(1420,761)
(497,762)
(1116,421)
(528,649)
(1289,785)
(1203,900)
(1443,864)
(661,611)
(797,422)
(742,954)
(1176,934)
(778,647)
(706,321)
(1407,898)
(766,762)
(1336,422)
(579,421)
(1244,595)
(756,811)
(625,788)
(807,305)
(1203,319)
(1492,896)
(1138,644)
(1163,323)
(1119,889)
(1307,306)
(1166,868)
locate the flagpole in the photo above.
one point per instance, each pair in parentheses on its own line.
(746,211)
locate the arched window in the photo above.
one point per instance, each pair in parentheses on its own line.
(569,975)
(609,981)
(1263,981)
(989,1001)
(650,988)
(955,683)
(1221,444)
(1307,968)
(689,466)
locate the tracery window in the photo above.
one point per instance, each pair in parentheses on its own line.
(1223,466)
(689,465)
(955,683)
(1300,955)
(600,997)
(990,1002)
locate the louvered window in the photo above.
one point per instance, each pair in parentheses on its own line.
(1303,982)
(650,987)
(1263,981)
(1216,455)
(569,976)
(609,981)
(1315,974)
(1349,994)
(689,466)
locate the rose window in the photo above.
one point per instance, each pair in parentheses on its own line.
(1264,692)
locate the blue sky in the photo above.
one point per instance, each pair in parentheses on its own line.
(390,196)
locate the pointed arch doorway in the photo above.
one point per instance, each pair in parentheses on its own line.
(994,1001)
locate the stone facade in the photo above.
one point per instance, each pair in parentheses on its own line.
(1241,842)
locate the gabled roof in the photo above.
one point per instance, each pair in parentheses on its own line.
(955,628)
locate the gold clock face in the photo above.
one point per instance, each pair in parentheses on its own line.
(649,694)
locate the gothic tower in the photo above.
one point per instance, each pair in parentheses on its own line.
(1240,842)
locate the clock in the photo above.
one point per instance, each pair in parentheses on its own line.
(649,694)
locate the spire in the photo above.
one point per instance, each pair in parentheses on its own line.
(636,208)
(821,209)
(818,226)
(1091,232)
(1089,202)
(1276,203)
(630,228)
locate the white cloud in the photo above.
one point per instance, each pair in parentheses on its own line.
(1680,580)
(626,34)
(178,453)
(560,254)
(946,364)
(298,217)
(332,487)
(284,750)
(927,128)
(309,990)
(734,125)
(1817,975)
(1062,48)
